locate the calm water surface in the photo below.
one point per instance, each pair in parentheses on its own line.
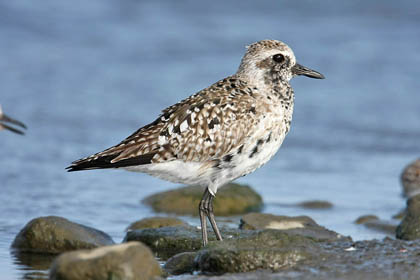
(83,75)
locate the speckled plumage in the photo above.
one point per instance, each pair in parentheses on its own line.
(220,133)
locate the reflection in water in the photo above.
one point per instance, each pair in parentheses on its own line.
(32,265)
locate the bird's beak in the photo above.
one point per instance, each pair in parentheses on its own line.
(6,119)
(298,69)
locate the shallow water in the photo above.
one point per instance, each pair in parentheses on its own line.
(83,75)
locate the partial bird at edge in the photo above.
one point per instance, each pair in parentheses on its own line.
(6,123)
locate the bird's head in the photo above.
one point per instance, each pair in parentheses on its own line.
(268,59)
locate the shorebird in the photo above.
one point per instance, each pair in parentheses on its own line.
(221,133)
(5,122)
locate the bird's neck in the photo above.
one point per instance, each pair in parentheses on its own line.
(268,83)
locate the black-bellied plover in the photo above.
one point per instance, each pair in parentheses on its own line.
(221,133)
(6,122)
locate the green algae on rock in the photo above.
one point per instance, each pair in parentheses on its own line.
(56,235)
(231,199)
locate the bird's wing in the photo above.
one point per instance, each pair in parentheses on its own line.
(203,127)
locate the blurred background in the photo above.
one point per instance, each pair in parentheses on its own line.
(83,75)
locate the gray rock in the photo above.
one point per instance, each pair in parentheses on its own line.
(180,263)
(301,225)
(166,242)
(409,228)
(55,235)
(316,204)
(410,179)
(231,199)
(156,222)
(266,249)
(128,261)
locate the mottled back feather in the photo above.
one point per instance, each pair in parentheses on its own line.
(202,127)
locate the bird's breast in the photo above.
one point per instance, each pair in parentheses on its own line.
(258,149)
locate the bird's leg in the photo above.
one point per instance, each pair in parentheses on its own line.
(203,219)
(206,210)
(212,220)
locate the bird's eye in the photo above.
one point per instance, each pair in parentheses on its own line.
(279,58)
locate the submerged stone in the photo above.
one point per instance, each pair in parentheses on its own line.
(366,218)
(316,204)
(55,235)
(129,261)
(231,199)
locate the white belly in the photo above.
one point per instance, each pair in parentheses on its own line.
(206,174)
(176,171)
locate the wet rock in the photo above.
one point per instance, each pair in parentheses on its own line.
(266,249)
(301,225)
(231,199)
(180,263)
(366,218)
(156,222)
(410,179)
(316,204)
(131,261)
(166,242)
(367,260)
(409,228)
(55,235)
